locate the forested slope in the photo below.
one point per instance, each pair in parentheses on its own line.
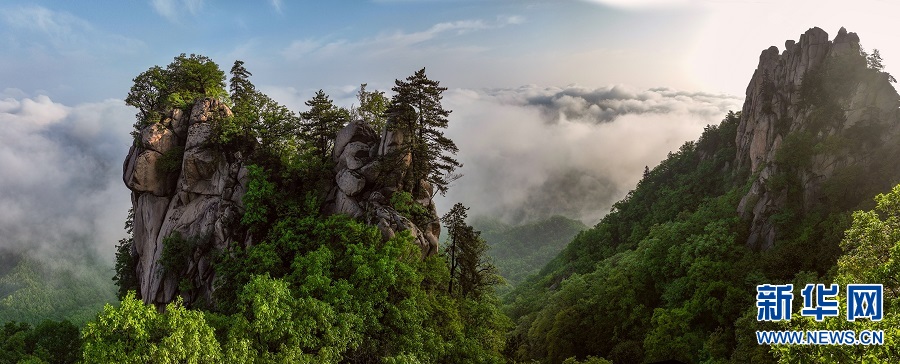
(764,197)
(521,250)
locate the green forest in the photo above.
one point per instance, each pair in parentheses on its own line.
(665,275)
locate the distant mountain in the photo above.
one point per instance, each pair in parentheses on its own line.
(31,290)
(521,250)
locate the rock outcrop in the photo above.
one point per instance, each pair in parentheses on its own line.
(187,194)
(185,189)
(778,106)
(364,184)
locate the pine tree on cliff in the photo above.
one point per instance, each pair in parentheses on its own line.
(240,86)
(416,112)
(260,124)
(321,123)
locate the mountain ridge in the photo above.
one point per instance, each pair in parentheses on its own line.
(765,196)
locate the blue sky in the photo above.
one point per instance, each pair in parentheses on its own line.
(81,51)
(84,51)
(557,104)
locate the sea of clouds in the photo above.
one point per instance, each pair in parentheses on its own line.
(528,153)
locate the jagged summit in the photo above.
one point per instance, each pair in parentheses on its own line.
(185,187)
(182,186)
(363,187)
(816,98)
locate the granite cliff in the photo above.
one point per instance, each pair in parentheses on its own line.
(187,191)
(363,185)
(815,118)
(182,186)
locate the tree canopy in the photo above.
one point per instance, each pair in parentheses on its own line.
(416,112)
(187,78)
(321,123)
(371,109)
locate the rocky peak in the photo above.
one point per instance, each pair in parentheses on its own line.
(778,106)
(364,185)
(187,194)
(182,188)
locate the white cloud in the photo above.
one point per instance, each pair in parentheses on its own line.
(61,187)
(533,152)
(62,33)
(31,113)
(171,9)
(391,42)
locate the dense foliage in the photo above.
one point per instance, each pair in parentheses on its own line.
(311,287)
(659,278)
(666,275)
(320,289)
(33,290)
(522,250)
(872,246)
(187,78)
(48,342)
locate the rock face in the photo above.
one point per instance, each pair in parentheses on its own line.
(187,193)
(183,187)
(364,183)
(778,107)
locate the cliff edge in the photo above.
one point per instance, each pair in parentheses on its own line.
(815,118)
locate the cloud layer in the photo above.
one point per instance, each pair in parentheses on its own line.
(60,186)
(528,153)
(534,152)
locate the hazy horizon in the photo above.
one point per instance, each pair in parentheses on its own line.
(557,106)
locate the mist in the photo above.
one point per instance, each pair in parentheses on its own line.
(61,192)
(528,153)
(533,152)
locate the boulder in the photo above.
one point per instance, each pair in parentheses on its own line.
(198,135)
(158,138)
(354,156)
(350,183)
(144,175)
(203,172)
(365,179)
(355,131)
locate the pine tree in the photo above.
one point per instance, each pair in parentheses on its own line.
(466,251)
(455,222)
(239,84)
(416,112)
(322,122)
